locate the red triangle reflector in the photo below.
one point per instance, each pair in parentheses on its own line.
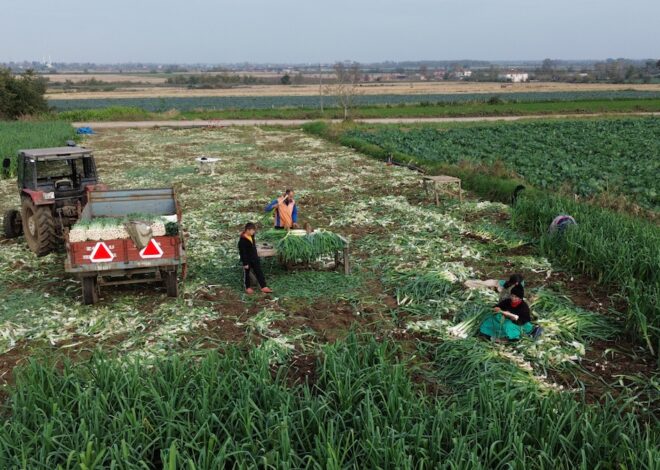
(101,253)
(152,250)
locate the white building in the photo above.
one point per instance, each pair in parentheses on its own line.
(514,76)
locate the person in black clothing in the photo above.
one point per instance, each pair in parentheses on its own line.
(512,318)
(247,248)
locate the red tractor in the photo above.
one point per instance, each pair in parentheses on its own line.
(53,185)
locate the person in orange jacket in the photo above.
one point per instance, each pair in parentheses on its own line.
(286,210)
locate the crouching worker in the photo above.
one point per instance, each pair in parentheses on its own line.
(247,248)
(512,318)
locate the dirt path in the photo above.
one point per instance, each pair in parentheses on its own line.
(300,122)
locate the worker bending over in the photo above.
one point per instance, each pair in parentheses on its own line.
(247,248)
(285,210)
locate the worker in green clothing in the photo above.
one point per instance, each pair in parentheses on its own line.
(512,318)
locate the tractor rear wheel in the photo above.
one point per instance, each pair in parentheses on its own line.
(171,283)
(90,290)
(11,223)
(38,227)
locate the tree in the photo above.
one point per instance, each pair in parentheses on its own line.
(493,74)
(286,79)
(548,66)
(346,87)
(21,96)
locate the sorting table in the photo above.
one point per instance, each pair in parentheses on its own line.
(438,183)
(266,250)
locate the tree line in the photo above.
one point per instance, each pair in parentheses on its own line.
(21,95)
(223,80)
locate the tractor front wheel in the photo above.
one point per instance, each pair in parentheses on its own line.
(38,227)
(11,223)
(90,290)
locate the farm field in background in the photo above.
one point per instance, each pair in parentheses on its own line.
(401,88)
(585,157)
(210,102)
(296,372)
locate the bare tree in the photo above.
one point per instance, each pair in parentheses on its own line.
(346,88)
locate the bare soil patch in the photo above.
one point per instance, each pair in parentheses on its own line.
(367,89)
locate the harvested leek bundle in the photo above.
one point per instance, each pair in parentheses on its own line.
(291,249)
(324,243)
(102,228)
(272,235)
(171,229)
(112,228)
(414,288)
(307,248)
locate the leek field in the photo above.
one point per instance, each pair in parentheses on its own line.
(377,369)
(18,135)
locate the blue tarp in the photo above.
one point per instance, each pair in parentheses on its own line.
(84,130)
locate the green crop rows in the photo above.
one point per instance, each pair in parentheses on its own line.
(362,411)
(265,102)
(25,135)
(592,156)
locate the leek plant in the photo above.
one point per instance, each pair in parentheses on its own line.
(619,251)
(235,409)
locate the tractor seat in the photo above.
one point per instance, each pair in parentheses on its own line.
(63,184)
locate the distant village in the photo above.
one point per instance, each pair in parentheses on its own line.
(610,70)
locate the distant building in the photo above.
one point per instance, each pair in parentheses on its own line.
(462,74)
(514,76)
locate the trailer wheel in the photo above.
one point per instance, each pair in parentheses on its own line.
(11,223)
(90,290)
(171,283)
(38,227)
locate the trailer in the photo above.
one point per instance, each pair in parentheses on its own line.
(158,258)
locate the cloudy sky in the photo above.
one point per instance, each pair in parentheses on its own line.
(221,31)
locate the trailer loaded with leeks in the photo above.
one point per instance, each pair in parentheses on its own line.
(126,237)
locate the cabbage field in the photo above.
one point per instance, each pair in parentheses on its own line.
(312,102)
(587,157)
(377,369)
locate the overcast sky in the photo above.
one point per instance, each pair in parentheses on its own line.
(221,31)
